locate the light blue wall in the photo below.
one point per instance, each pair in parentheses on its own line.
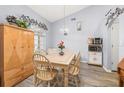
(92,18)
(18,10)
(93,25)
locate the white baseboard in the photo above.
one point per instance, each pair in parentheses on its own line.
(83,61)
(107,70)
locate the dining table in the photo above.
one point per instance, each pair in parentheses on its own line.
(61,61)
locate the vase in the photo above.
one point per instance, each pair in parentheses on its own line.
(61,52)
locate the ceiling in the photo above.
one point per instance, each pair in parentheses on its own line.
(55,12)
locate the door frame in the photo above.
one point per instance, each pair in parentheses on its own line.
(112,65)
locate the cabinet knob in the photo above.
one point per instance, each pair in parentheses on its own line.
(22,68)
(14,47)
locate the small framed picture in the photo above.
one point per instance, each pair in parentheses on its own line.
(79,26)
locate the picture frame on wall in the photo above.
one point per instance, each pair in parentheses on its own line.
(79,26)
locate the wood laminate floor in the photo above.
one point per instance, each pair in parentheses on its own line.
(90,76)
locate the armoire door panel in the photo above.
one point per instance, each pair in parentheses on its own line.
(12,45)
(24,46)
(19,45)
(29,48)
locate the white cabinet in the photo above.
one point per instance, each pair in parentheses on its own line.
(95,58)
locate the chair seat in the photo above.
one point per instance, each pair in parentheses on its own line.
(46,75)
(74,70)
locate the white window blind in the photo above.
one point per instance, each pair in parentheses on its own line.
(40,41)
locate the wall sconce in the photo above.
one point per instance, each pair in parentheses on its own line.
(79,26)
(66,31)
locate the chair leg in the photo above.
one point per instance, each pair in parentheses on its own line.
(76,82)
(120,83)
(39,82)
(57,80)
(48,83)
(78,79)
(62,78)
(35,81)
(72,80)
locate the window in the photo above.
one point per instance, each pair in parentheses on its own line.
(36,41)
(39,38)
(39,41)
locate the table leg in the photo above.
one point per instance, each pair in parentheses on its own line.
(66,77)
(120,82)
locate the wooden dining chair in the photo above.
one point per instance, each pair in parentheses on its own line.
(75,57)
(43,70)
(74,70)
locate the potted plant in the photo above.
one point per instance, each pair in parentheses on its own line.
(16,21)
(21,23)
(61,47)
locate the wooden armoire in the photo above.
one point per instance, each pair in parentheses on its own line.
(16,51)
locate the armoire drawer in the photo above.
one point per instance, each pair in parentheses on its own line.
(13,81)
(13,73)
(12,77)
(28,70)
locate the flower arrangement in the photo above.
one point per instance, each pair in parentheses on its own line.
(25,21)
(61,46)
(16,21)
